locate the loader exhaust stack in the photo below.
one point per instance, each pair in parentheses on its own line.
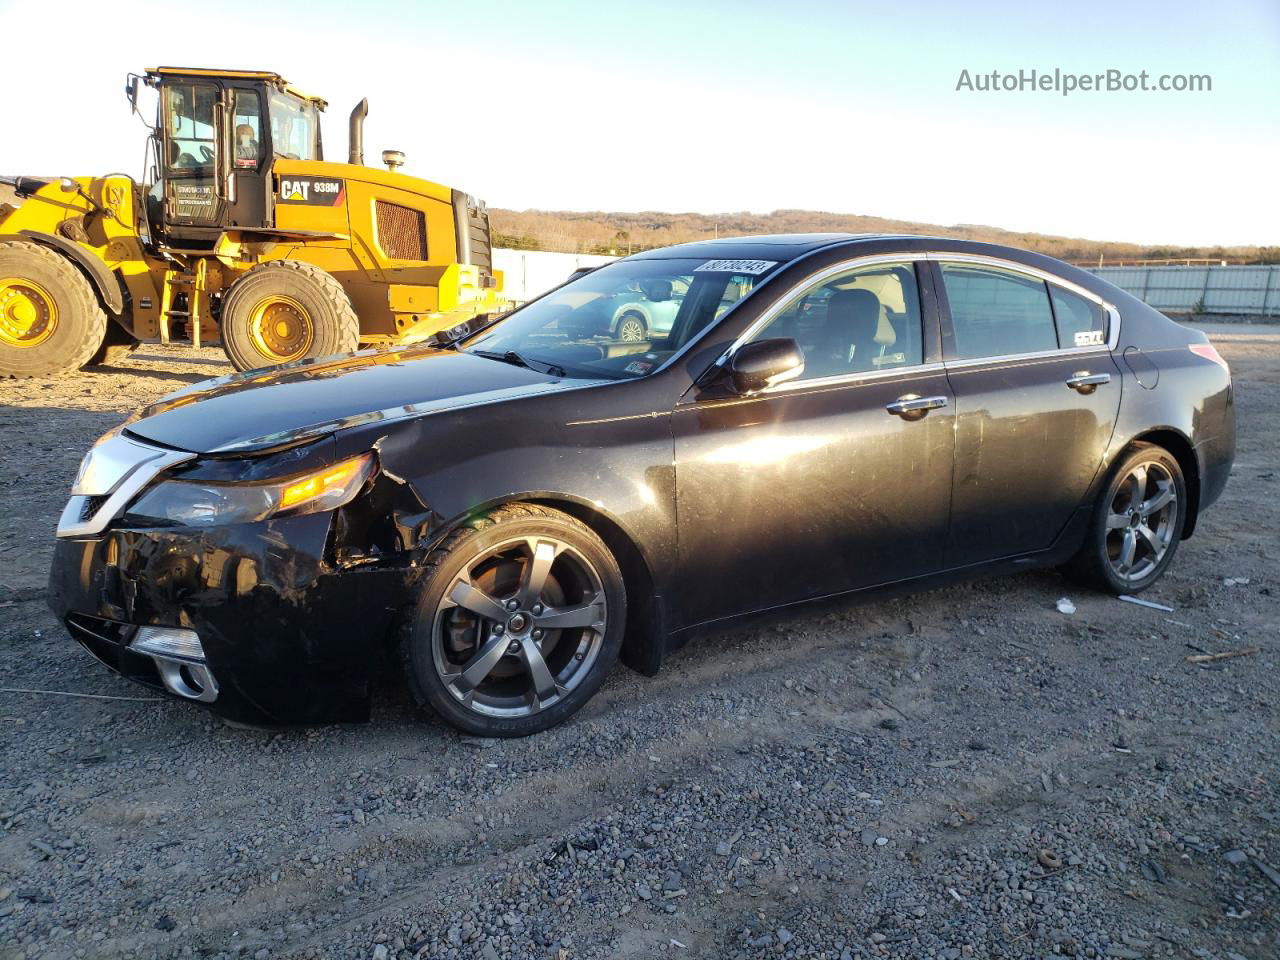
(356,135)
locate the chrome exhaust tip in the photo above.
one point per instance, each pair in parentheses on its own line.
(191,680)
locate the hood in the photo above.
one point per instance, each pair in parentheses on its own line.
(261,409)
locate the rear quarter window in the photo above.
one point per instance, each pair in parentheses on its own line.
(1081,322)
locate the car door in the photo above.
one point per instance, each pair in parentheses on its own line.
(835,480)
(1036,395)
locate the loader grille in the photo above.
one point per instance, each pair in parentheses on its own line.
(478,224)
(402,231)
(471,221)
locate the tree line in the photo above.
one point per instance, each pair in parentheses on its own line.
(618,234)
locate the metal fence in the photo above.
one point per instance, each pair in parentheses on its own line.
(1217,289)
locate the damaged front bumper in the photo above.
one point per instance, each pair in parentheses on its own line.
(282,635)
(274,621)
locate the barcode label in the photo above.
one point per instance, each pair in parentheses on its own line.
(749,267)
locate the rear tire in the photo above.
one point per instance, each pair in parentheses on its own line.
(1136,524)
(519,619)
(286,310)
(50,318)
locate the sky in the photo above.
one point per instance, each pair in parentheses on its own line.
(849,107)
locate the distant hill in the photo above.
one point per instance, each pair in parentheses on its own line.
(598,232)
(621,233)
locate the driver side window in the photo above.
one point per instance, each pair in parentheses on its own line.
(861,321)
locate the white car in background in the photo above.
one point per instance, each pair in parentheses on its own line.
(646,309)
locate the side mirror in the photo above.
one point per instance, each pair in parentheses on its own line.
(131,91)
(764,363)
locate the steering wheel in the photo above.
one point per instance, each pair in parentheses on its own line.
(206,153)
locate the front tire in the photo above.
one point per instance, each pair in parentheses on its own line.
(286,310)
(50,318)
(520,617)
(1136,524)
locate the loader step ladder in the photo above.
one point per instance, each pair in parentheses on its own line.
(193,283)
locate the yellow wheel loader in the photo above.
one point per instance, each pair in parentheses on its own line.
(240,233)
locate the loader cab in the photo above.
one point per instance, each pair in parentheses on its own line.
(217,136)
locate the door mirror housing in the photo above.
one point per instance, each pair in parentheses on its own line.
(765,363)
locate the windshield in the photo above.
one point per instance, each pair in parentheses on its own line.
(622,320)
(294,124)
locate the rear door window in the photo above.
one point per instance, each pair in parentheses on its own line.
(997,312)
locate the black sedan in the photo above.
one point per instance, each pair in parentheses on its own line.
(512,513)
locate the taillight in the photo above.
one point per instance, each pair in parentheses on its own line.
(1207,351)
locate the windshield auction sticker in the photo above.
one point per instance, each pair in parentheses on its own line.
(750,267)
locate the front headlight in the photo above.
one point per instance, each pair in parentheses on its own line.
(207,504)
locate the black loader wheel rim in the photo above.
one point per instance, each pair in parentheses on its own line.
(519,627)
(1141,522)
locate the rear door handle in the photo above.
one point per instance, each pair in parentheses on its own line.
(913,407)
(1086,382)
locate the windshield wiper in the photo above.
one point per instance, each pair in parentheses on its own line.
(515,359)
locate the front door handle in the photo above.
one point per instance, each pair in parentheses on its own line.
(913,407)
(1086,382)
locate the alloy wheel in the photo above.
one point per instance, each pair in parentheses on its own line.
(520,626)
(1142,520)
(631,329)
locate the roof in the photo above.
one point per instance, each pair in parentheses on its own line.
(777,246)
(781,246)
(787,247)
(265,76)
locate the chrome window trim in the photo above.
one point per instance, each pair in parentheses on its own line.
(1113,315)
(844,379)
(1061,353)
(938,256)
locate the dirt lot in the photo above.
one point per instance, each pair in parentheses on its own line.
(844,782)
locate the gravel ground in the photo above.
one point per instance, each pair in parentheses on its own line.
(962,773)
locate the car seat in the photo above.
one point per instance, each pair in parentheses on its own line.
(856,334)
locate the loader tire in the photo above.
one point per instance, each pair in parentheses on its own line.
(50,319)
(286,310)
(117,344)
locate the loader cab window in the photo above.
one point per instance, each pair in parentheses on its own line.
(190,132)
(295,127)
(246,126)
